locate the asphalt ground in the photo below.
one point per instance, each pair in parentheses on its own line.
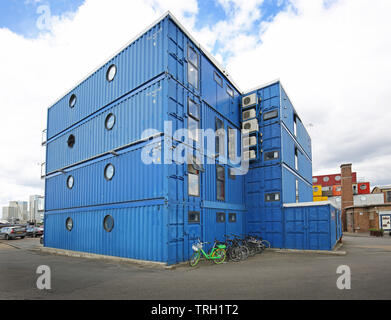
(270,275)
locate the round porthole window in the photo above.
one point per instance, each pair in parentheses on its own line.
(72,101)
(338,178)
(109,171)
(326,179)
(110,121)
(315,180)
(108,223)
(363,186)
(71,141)
(70,182)
(111,72)
(69,224)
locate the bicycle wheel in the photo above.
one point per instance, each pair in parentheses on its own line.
(233,254)
(221,253)
(244,252)
(195,258)
(266,243)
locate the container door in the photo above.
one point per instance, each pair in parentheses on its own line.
(192,230)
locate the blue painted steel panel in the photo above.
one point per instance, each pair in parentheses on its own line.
(288,113)
(134,114)
(313,227)
(131,182)
(138,233)
(289,190)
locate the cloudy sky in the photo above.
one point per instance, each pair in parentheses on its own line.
(333,57)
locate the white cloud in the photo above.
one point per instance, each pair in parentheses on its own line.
(335,62)
(35,72)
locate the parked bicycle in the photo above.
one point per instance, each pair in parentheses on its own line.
(217,254)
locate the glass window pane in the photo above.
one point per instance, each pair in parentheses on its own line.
(230,91)
(218,79)
(220,217)
(194,217)
(194,133)
(194,110)
(232,217)
(271,155)
(220,190)
(108,223)
(109,171)
(232,146)
(111,72)
(270,115)
(110,121)
(194,185)
(220,173)
(220,137)
(192,75)
(192,56)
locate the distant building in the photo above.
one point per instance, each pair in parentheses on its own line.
(385,190)
(16,211)
(36,208)
(331,186)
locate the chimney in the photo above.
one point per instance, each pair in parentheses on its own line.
(347,191)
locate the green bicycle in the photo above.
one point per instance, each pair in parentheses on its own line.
(217,254)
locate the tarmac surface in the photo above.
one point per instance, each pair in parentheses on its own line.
(270,275)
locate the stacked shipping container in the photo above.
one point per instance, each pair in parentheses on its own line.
(111,185)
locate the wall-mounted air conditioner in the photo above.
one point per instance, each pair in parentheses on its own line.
(250,126)
(249,100)
(249,155)
(249,142)
(249,114)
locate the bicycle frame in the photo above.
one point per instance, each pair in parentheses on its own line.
(209,256)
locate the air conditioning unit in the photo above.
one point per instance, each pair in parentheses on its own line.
(249,155)
(249,142)
(249,100)
(249,114)
(250,126)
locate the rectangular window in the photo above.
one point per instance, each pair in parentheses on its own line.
(230,92)
(192,67)
(220,138)
(193,120)
(220,182)
(388,196)
(271,155)
(297,191)
(232,217)
(272,197)
(296,159)
(193,178)
(194,217)
(270,115)
(232,148)
(218,79)
(194,109)
(295,125)
(220,217)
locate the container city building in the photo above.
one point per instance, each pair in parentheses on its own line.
(124,178)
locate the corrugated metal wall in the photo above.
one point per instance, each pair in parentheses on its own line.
(137,64)
(314,227)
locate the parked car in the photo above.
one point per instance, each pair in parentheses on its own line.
(10,233)
(32,231)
